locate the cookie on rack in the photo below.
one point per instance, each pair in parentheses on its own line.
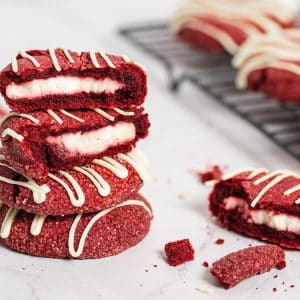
(64,79)
(270,64)
(42,141)
(260,204)
(95,235)
(103,183)
(224,25)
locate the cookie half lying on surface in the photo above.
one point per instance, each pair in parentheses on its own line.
(103,183)
(93,235)
(237,266)
(223,25)
(270,64)
(64,79)
(260,204)
(43,141)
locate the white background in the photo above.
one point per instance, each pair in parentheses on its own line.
(189,130)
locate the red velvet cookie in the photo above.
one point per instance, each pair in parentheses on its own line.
(223,25)
(93,235)
(237,266)
(260,204)
(43,141)
(63,79)
(103,183)
(271,64)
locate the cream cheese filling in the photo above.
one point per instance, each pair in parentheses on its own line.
(94,141)
(272,219)
(61,85)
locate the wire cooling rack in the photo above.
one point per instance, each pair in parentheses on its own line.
(214,74)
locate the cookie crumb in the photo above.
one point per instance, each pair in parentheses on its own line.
(274,290)
(211,173)
(219,242)
(205,264)
(275,276)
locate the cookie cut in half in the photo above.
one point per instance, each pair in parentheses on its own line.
(64,79)
(260,204)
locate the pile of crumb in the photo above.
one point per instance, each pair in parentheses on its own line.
(211,173)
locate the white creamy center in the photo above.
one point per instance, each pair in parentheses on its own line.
(61,85)
(280,222)
(92,142)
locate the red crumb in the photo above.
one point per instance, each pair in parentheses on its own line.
(292,286)
(283,283)
(211,173)
(275,276)
(205,264)
(179,252)
(155,266)
(274,290)
(237,266)
(146,270)
(219,242)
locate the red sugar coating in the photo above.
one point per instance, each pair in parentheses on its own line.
(128,73)
(276,83)
(237,266)
(35,156)
(237,219)
(58,202)
(179,252)
(113,233)
(211,173)
(219,242)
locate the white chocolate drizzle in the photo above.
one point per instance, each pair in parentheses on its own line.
(55,116)
(7,222)
(13,134)
(68,114)
(126,58)
(78,252)
(104,114)
(14,114)
(102,186)
(103,56)
(37,224)
(114,166)
(23,54)
(55,60)
(276,177)
(123,112)
(76,202)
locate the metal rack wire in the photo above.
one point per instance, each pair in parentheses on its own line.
(212,73)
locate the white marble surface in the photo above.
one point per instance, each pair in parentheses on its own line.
(189,130)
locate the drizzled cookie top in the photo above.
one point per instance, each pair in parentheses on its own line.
(264,189)
(279,51)
(252,17)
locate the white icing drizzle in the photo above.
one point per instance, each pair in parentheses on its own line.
(37,224)
(126,58)
(246,15)
(238,172)
(23,54)
(104,57)
(68,114)
(13,134)
(134,159)
(279,51)
(104,114)
(13,114)
(2,157)
(112,165)
(77,202)
(78,252)
(102,186)
(123,112)
(54,59)
(256,172)
(55,116)
(7,222)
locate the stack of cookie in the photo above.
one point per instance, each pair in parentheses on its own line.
(69,172)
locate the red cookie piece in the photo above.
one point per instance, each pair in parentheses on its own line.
(102,184)
(43,141)
(179,252)
(260,204)
(237,266)
(270,64)
(93,235)
(222,26)
(63,79)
